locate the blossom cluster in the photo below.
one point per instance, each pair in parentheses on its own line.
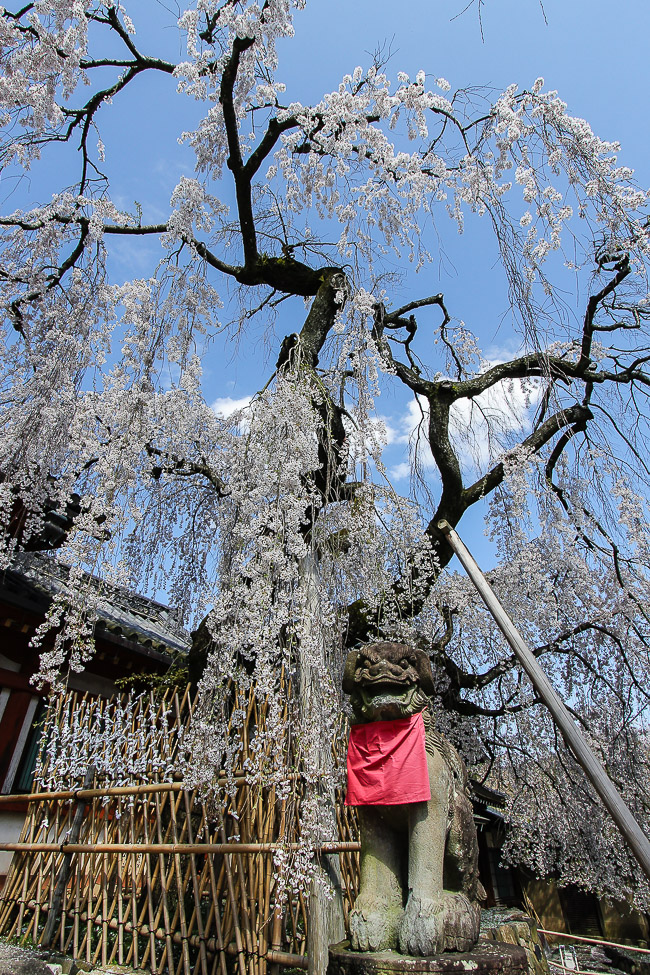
(269,524)
(128,741)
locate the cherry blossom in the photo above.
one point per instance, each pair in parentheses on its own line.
(275,529)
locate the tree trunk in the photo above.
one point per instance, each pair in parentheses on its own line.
(326,919)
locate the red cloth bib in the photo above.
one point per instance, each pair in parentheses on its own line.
(387,763)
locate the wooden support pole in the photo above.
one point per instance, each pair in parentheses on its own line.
(612,800)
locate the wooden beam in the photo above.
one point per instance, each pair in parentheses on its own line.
(612,800)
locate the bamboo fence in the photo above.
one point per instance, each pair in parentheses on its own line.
(145,875)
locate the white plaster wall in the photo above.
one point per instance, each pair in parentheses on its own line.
(11,824)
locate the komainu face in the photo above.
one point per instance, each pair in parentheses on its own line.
(419,888)
(387,681)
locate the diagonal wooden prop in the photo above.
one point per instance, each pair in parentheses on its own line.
(612,800)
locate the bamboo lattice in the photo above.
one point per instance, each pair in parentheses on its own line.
(155,880)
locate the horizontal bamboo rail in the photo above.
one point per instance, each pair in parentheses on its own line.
(120,790)
(286,958)
(123,790)
(248,848)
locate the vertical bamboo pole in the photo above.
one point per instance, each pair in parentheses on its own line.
(134,876)
(216,883)
(164,884)
(195,885)
(77,904)
(120,886)
(266,816)
(41,862)
(134,873)
(104,900)
(113,878)
(54,913)
(245,875)
(27,869)
(234,907)
(216,907)
(276,929)
(149,882)
(180,887)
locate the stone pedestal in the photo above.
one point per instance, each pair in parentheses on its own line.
(485,959)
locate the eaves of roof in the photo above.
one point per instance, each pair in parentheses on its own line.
(34,579)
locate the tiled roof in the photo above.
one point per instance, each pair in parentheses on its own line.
(120,611)
(484,796)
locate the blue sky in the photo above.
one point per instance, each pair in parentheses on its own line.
(594,53)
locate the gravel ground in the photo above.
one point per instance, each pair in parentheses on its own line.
(24,961)
(15,960)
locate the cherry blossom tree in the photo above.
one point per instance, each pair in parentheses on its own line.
(277,528)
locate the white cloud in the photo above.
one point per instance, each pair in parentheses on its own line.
(479,428)
(400,471)
(412,429)
(225,406)
(480,425)
(391,435)
(401,431)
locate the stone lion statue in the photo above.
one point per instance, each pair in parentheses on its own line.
(419,887)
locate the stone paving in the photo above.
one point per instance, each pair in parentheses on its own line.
(588,959)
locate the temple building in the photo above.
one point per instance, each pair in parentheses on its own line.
(133,635)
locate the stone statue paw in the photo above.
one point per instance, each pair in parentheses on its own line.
(447,922)
(374,926)
(462,922)
(421,931)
